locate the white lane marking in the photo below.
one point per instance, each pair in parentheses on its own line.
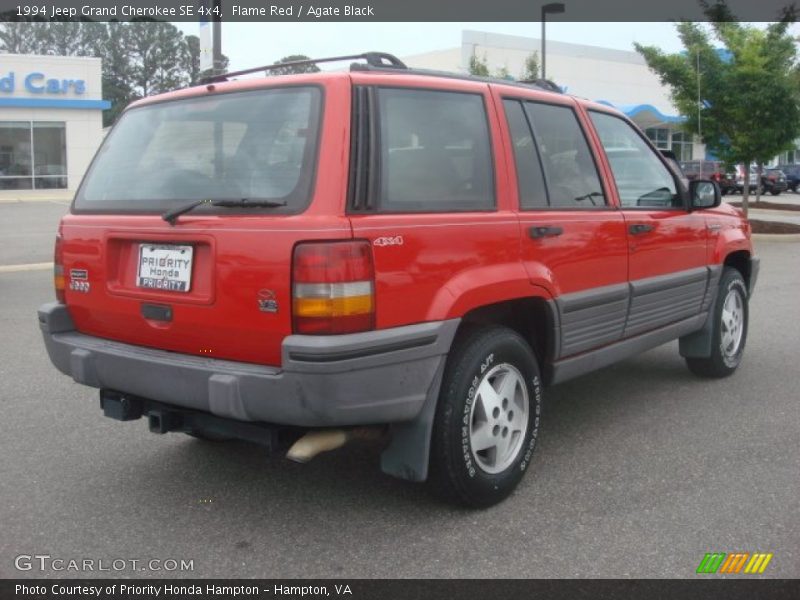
(29,267)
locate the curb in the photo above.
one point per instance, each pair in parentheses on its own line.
(776,237)
(66,198)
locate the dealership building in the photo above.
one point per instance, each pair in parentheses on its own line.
(51,121)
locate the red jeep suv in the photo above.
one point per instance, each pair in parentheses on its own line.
(289,260)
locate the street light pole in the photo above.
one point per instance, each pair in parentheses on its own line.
(552,8)
(216,43)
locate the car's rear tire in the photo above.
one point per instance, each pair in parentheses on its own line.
(775,192)
(487,419)
(730,316)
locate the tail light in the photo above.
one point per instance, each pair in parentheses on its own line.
(58,268)
(333,289)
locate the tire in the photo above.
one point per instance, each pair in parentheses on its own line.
(470,413)
(775,192)
(729,329)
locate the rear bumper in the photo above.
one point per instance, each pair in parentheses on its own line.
(365,378)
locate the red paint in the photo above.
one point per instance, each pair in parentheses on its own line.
(426,266)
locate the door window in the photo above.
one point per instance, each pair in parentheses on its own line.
(569,169)
(530,180)
(643,181)
(435,151)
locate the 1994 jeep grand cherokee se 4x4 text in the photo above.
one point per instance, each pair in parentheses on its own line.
(384,247)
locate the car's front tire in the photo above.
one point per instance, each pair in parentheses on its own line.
(731,317)
(487,419)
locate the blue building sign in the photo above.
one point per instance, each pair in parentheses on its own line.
(51,92)
(39,83)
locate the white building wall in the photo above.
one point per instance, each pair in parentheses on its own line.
(618,76)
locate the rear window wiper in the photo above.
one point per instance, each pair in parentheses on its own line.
(171,215)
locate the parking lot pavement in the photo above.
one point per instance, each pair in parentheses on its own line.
(28,229)
(641,469)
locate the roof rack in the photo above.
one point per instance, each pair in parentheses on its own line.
(380,60)
(385,62)
(542,84)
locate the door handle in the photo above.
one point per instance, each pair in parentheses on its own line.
(543,232)
(640,228)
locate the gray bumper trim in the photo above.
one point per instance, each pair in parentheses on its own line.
(373,377)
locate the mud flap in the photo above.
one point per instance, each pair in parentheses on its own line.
(407,454)
(699,343)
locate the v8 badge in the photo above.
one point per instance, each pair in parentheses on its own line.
(266,301)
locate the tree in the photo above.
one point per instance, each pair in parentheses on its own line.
(117,71)
(23,37)
(191,60)
(503,73)
(478,66)
(531,69)
(140,57)
(291,70)
(749,95)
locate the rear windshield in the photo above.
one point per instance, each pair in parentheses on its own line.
(259,145)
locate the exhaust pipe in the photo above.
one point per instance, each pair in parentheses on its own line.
(316,442)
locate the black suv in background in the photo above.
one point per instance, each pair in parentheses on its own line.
(792,173)
(773,181)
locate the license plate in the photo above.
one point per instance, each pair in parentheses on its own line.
(165,267)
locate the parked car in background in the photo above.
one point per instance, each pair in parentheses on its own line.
(792,173)
(773,181)
(752,178)
(709,169)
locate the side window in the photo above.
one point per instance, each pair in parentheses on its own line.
(570,171)
(532,192)
(642,179)
(435,153)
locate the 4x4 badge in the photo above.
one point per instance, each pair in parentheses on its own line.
(267,301)
(396,240)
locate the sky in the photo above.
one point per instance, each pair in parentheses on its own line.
(253,44)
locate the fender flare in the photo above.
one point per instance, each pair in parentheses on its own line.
(407,456)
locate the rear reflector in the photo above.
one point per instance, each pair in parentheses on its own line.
(333,289)
(58,269)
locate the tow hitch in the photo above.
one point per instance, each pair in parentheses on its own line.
(163,418)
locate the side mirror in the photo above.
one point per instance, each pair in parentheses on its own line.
(704,193)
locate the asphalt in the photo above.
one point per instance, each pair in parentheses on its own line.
(642,468)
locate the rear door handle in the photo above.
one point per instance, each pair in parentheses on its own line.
(542,232)
(640,228)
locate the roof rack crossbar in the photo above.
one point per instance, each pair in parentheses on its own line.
(374,59)
(541,84)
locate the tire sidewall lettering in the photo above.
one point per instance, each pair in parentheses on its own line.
(536,399)
(466,451)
